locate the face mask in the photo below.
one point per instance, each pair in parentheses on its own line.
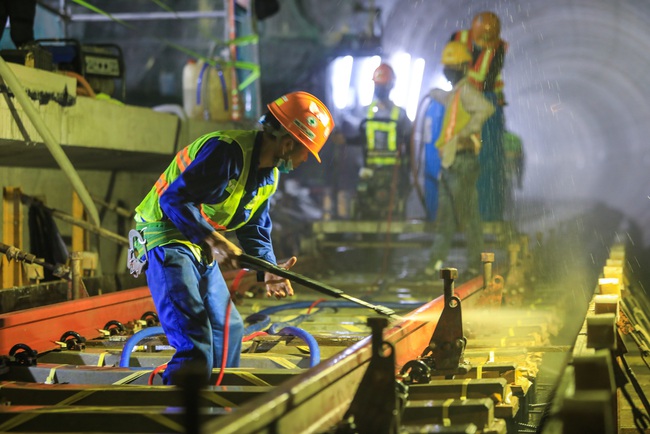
(285,166)
(382,92)
(453,75)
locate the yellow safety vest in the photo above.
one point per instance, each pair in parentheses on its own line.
(455,119)
(218,215)
(381,157)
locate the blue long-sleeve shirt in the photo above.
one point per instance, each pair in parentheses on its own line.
(205,181)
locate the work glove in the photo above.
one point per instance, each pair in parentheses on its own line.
(366,173)
(223,251)
(277,286)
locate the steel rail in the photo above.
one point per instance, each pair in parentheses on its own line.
(318,398)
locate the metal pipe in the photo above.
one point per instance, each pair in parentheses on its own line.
(144,16)
(262,265)
(448,275)
(11,252)
(487,258)
(77,222)
(90,227)
(54,147)
(75,268)
(113,207)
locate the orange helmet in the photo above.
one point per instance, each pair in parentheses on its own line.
(305,117)
(384,75)
(486,29)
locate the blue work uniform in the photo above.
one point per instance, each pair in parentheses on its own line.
(187,286)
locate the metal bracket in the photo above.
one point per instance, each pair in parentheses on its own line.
(21,355)
(72,341)
(380,399)
(445,352)
(136,265)
(447,345)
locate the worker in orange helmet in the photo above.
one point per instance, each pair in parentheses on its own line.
(488,50)
(222,182)
(384,179)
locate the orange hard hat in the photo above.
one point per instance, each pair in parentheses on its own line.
(305,117)
(486,28)
(383,75)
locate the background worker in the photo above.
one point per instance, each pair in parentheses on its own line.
(221,182)
(431,131)
(384,180)
(466,110)
(488,51)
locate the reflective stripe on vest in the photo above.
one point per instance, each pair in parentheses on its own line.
(382,157)
(480,67)
(220,214)
(454,120)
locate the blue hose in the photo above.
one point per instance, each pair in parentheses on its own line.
(276,327)
(286,328)
(199,85)
(314,349)
(259,322)
(134,340)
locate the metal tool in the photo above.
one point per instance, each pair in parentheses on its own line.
(136,265)
(262,265)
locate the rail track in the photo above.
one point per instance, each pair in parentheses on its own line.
(460,357)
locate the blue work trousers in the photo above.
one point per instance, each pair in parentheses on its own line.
(191,299)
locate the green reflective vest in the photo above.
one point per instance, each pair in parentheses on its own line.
(218,215)
(388,155)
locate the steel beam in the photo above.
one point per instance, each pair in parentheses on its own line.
(40,327)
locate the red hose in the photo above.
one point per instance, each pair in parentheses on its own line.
(314,304)
(156,370)
(254,335)
(226,327)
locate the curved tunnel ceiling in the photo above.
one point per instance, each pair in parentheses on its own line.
(576,90)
